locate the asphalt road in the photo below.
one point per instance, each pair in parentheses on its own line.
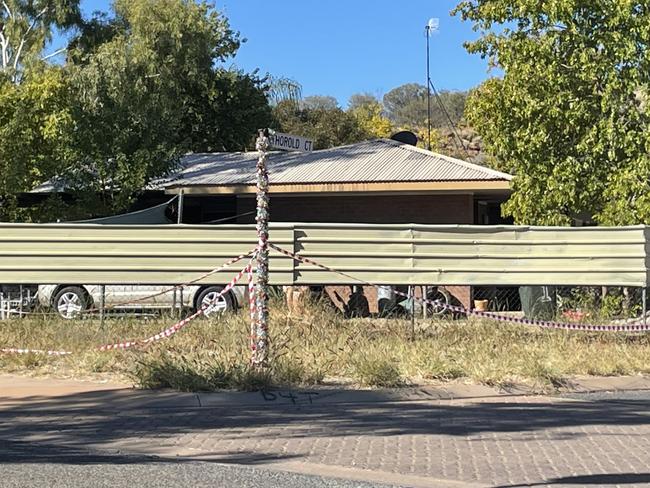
(25,467)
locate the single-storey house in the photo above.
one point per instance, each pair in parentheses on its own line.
(377,181)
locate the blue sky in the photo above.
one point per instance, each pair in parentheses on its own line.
(342,47)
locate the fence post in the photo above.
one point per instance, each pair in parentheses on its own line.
(181,198)
(102,304)
(411,293)
(425,292)
(644,298)
(260,353)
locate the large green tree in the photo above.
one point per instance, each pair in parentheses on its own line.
(26,28)
(149,87)
(406,106)
(567,117)
(327,127)
(369,112)
(139,87)
(35,128)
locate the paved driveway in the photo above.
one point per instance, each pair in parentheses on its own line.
(506,441)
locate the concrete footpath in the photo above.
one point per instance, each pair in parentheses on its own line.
(597,433)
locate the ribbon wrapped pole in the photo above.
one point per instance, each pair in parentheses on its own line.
(260,341)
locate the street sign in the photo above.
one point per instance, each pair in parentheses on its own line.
(288,142)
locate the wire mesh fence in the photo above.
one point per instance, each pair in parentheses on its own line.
(565,304)
(602,304)
(561,303)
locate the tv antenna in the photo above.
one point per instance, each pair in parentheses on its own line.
(432,27)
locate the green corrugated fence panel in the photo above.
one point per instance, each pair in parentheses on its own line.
(476,255)
(382,254)
(107,254)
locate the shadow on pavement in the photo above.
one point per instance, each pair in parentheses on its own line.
(595,479)
(21,452)
(99,417)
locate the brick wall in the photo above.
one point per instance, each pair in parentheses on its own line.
(372,209)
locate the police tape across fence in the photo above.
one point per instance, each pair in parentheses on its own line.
(182,323)
(247,270)
(477,313)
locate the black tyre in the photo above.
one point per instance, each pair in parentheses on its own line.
(442,298)
(70,302)
(214,304)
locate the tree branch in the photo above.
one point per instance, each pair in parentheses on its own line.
(55,53)
(4,42)
(23,39)
(5,46)
(9,13)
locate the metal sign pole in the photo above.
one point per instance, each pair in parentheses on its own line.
(261,339)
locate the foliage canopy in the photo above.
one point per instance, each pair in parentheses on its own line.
(138,89)
(567,117)
(26,27)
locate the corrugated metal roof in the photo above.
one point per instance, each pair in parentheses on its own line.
(380,160)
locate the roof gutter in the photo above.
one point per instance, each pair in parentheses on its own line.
(419,186)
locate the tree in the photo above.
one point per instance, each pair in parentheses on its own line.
(148,89)
(370,115)
(362,99)
(138,89)
(327,127)
(451,102)
(26,29)
(281,89)
(35,124)
(407,106)
(315,102)
(567,117)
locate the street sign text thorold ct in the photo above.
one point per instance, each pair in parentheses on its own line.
(288,142)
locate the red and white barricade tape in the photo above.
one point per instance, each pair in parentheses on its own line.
(182,323)
(225,265)
(489,315)
(156,337)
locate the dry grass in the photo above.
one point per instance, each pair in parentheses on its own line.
(320,345)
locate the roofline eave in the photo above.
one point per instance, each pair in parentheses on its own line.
(365,187)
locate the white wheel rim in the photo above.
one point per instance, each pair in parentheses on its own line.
(69,305)
(438,308)
(213,303)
